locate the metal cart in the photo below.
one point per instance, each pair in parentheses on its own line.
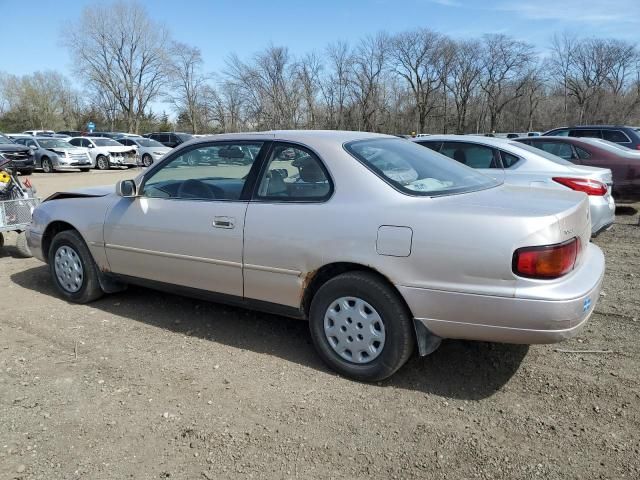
(15,215)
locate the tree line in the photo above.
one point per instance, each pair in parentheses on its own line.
(420,81)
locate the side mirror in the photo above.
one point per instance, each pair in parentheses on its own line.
(90,145)
(126,188)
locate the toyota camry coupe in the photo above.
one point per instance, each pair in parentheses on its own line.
(384,246)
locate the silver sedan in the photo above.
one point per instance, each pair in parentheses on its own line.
(383,245)
(519,164)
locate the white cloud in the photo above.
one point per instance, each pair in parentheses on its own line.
(447,3)
(576,11)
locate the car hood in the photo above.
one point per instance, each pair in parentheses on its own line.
(101,191)
(7,147)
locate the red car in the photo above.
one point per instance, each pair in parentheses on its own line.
(623,162)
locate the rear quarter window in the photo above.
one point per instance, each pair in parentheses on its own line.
(616,136)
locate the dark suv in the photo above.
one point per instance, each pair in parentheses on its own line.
(169,139)
(20,155)
(622,135)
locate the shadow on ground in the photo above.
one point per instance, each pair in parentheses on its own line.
(458,369)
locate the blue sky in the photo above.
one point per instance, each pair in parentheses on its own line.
(31,30)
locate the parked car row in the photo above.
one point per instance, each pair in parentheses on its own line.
(384,245)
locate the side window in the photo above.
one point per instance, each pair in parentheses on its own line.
(585,133)
(582,154)
(164,138)
(472,155)
(616,136)
(294,173)
(31,143)
(211,172)
(435,146)
(75,141)
(561,133)
(508,160)
(125,142)
(562,150)
(19,141)
(86,143)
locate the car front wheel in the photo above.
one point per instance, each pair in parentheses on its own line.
(102,163)
(147,161)
(47,166)
(72,268)
(361,326)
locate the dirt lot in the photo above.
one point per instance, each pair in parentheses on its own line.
(148,385)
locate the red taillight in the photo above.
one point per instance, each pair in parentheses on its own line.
(638,147)
(549,261)
(586,185)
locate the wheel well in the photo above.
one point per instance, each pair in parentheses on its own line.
(50,232)
(316,279)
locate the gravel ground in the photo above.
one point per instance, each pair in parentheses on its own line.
(148,385)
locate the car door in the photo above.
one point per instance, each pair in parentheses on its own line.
(286,219)
(186,225)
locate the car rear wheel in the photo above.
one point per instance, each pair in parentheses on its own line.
(47,166)
(72,268)
(102,163)
(361,326)
(147,161)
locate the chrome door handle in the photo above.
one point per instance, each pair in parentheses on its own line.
(223,222)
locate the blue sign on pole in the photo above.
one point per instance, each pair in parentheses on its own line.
(91,126)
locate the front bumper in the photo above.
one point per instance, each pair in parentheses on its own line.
(124,161)
(603,213)
(34,240)
(546,313)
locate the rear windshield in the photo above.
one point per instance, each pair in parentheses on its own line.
(416,170)
(542,153)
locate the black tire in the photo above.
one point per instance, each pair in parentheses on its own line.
(399,334)
(147,160)
(1,240)
(22,247)
(90,289)
(85,169)
(102,163)
(47,166)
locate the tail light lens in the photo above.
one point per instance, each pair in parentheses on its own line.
(586,185)
(638,147)
(549,261)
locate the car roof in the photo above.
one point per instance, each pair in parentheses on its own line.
(493,141)
(303,136)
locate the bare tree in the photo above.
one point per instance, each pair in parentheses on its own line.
(335,89)
(506,64)
(308,71)
(415,56)
(117,48)
(368,65)
(463,78)
(187,83)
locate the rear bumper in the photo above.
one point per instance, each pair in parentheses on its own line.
(528,318)
(603,213)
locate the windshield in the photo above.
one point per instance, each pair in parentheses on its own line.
(416,170)
(147,142)
(4,139)
(53,143)
(106,142)
(542,153)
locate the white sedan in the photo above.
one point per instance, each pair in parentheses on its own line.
(107,153)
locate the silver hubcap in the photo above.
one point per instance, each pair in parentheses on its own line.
(354,330)
(68,268)
(146,161)
(102,164)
